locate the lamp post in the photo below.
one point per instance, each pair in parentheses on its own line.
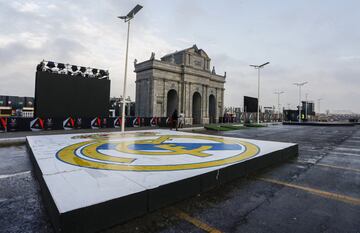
(258,67)
(278,93)
(127,19)
(306,105)
(300,85)
(319,104)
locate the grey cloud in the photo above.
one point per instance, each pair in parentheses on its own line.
(319,45)
(14,51)
(64,48)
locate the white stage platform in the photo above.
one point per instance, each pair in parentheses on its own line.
(92,181)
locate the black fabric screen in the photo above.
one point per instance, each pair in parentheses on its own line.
(61,95)
(250,104)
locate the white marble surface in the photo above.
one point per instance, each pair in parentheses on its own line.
(74,186)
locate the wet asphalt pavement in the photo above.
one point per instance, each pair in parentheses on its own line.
(317,192)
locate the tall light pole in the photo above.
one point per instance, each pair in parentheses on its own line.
(319,104)
(258,67)
(278,93)
(306,104)
(300,85)
(127,19)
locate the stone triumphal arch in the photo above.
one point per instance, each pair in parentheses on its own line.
(181,80)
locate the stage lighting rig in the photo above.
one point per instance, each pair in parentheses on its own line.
(72,70)
(41,66)
(61,67)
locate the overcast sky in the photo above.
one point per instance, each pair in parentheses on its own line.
(310,40)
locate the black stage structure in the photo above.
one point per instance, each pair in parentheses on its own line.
(250,104)
(63,90)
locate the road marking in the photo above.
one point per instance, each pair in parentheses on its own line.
(15,174)
(350,140)
(338,167)
(343,153)
(326,165)
(196,222)
(334,196)
(13,140)
(347,149)
(301,161)
(311,161)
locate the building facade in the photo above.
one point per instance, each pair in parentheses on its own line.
(16,106)
(183,81)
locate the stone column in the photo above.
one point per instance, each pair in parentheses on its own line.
(188,104)
(180,102)
(182,90)
(137,101)
(148,100)
(128,108)
(164,99)
(205,111)
(222,101)
(218,102)
(154,94)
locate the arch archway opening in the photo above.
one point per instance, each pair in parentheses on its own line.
(172,102)
(196,108)
(212,109)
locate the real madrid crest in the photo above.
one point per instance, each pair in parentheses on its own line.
(149,151)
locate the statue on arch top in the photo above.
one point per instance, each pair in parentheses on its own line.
(152,57)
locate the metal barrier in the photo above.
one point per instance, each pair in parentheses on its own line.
(12,124)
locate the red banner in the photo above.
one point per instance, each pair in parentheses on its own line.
(3,122)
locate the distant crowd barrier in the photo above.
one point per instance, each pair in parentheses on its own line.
(228,119)
(11,124)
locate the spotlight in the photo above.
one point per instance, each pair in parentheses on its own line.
(40,66)
(82,69)
(61,66)
(68,69)
(50,64)
(74,68)
(106,74)
(102,72)
(88,73)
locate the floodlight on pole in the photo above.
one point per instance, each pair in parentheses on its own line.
(127,19)
(278,93)
(258,67)
(319,104)
(300,85)
(306,105)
